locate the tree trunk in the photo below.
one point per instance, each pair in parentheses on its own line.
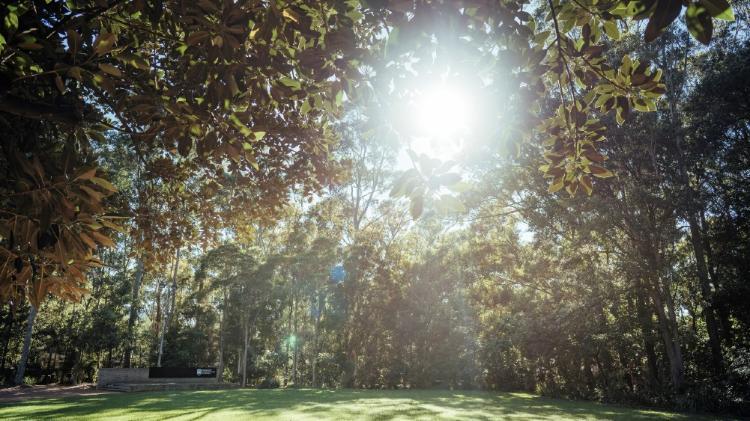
(239,362)
(244,354)
(21,371)
(134,304)
(720,307)
(647,330)
(316,336)
(671,345)
(220,365)
(158,317)
(294,344)
(168,318)
(714,340)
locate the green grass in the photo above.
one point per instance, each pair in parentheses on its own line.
(322,405)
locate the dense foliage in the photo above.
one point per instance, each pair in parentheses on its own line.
(181,178)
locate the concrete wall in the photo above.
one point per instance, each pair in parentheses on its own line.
(140,375)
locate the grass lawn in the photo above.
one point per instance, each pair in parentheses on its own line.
(321,405)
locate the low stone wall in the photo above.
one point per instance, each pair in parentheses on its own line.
(108,376)
(122,375)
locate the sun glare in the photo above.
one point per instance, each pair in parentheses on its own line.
(441,120)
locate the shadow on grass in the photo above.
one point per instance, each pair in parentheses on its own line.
(323,404)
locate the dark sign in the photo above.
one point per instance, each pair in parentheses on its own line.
(181,372)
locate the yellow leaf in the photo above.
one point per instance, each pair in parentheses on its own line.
(104,43)
(557,185)
(291,15)
(93,193)
(86,175)
(103,183)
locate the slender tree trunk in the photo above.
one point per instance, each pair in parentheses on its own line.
(315,353)
(671,345)
(714,340)
(647,330)
(173,305)
(286,346)
(21,370)
(239,362)
(220,365)
(316,337)
(161,342)
(244,353)
(294,345)
(134,305)
(158,317)
(170,313)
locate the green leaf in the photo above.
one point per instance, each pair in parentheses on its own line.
(291,83)
(11,21)
(240,125)
(339,98)
(610,28)
(305,108)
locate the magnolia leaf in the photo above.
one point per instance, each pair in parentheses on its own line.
(104,43)
(600,172)
(557,185)
(610,28)
(720,9)
(30,46)
(110,69)
(60,84)
(196,37)
(291,83)
(417,206)
(91,192)
(585,182)
(75,72)
(86,175)
(104,184)
(87,240)
(665,13)
(102,239)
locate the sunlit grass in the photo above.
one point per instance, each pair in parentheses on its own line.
(323,405)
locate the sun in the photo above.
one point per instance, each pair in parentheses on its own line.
(441,116)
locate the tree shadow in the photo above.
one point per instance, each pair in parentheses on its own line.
(325,404)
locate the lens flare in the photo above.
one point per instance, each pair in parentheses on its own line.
(442,118)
